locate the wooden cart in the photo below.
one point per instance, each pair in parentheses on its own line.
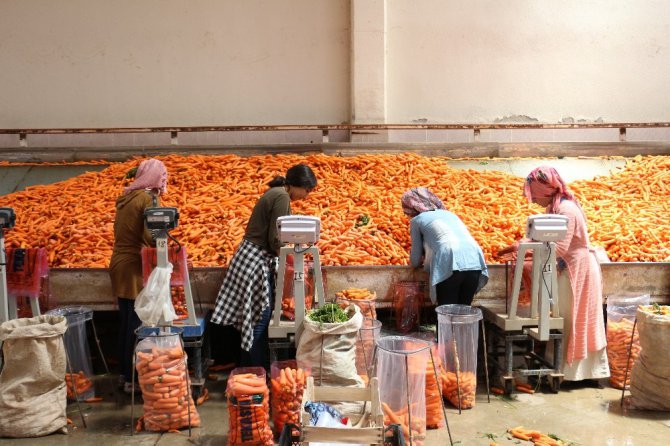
(372,432)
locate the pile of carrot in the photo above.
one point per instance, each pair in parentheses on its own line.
(417,429)
(618,344)
(466,381)
(73,219)
(362,297)
(78,385)
(168,404)
(287,388)
(248,409)
(537,437)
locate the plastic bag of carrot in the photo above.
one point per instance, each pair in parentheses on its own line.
(161,369)
(248,408)
(620,318)
(288,384)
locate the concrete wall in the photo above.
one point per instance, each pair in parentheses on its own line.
(95,63)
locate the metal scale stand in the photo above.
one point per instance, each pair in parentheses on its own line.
(302,232)
(161,220)
(540,322)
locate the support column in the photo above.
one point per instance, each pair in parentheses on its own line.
(368,67)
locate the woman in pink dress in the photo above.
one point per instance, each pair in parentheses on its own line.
(580,290)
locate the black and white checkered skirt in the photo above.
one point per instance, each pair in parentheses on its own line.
(245,291)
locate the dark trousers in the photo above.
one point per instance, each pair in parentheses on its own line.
(259,354)
(459,288)
(129,323)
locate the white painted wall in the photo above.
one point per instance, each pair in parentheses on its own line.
(125,63)
(101,63)
(481,60)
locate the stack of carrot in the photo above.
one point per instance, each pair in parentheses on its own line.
(73,219)
(434,413)
(402,418)
(78,385)
(466,381)
(167,399)
(618,346)
(288,385)
(537,437)
(248,408)
(362,297)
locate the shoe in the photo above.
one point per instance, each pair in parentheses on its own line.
(128,388)
(120,382)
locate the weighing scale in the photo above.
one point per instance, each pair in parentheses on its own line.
(160,221)
(302,233)
(7,221)
(540,321)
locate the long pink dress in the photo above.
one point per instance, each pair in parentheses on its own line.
(585,352)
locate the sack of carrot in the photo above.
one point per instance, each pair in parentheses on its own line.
(248,408)
(434,412)
(620,318)
(161,370)
(288,384)
(288,296)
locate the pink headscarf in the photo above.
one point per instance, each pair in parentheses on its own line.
(545,182)
(151,174)
(418,200)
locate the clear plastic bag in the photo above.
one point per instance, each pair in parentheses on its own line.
(458,340)
(401,370)
(163,377)
(288,384)
(621,312)
(78,377)
(408,299)
(154,303)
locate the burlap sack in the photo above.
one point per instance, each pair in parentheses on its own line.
(32,381)
(650,378)
(330,350)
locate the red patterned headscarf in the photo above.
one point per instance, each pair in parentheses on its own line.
(151,174)
(545,182)
(418,200)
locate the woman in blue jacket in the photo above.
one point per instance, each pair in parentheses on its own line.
(441,241)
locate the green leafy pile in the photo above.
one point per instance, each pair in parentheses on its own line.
(328,314)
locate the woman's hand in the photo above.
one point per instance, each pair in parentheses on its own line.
(509,252)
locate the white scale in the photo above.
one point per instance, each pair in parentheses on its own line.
(302,232)
(543,231)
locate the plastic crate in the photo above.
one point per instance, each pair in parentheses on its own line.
(25,268)
(176,256)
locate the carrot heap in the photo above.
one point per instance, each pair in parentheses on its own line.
(287,388)
(537,437)
(168,404)
(364,298)
(248,409)
(73,219)
(78,385)
(466,381)
(401,417)
(618,343)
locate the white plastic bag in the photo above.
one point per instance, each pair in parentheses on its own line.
(154,302)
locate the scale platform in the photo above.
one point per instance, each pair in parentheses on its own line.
(497,314)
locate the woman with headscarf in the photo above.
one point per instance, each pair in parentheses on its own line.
(580,290)
(125,267)
(450,255)
(246,297)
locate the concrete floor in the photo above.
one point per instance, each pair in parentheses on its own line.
(584,416)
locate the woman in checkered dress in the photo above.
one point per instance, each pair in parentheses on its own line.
(246,297)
